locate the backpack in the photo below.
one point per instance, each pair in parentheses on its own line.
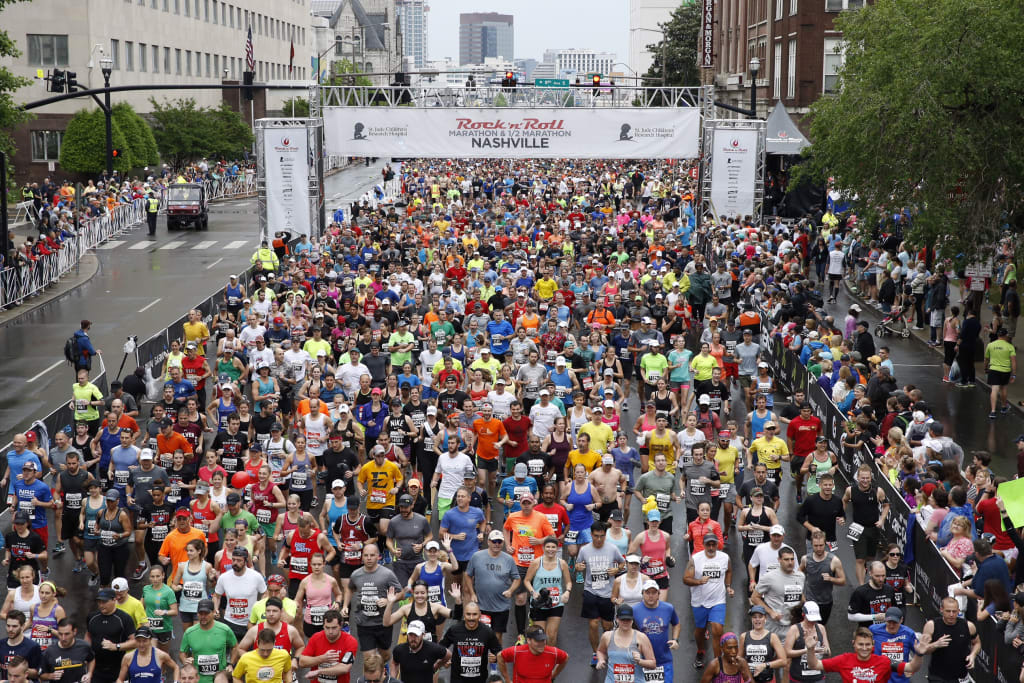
(72,351)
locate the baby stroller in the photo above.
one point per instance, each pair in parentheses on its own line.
(898,321)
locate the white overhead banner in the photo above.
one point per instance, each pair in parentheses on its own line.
(733,171)
(286,169)
(564,133)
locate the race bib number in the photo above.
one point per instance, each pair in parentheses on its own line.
(723,490)
(121,477)
(792,593)
(230,464)
(156,623)
(654,567)
(434,594)
(316,615)
(41,634)
(755,537)
(712,573)
(397,438)
(27,507)
(519,491)
(299,479)
(697,488)
(108,537)
(81,405)
(208,664)
(571,536)
(265,673)
(893,650)
(663,500)
(378,496)
(238,609)
(368,602)
(471,665)
(428,443)
(655,675)
(599,580)
(159,532)
(90,526)
(525,554)
(653,377)
(166,459)
(300,565)
(73,501)
(624,673)
(263,516)
(192,590)
(588,383)
(561,392)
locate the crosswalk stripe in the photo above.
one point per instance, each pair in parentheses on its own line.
(111,244)
(204,245)
(141,245)
(237,244)
(172,245)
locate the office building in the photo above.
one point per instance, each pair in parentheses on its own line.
(645,19)
(583,61)
(412,22)
(485,34)
(365,33)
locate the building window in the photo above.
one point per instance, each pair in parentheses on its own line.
(177,6)
(791,70)
(177,61)
(206,11)
(792,7)
(188,62)
(215,11)
(834,58)
(156,59)
(167,60)
(216,65)
(196,13)
(188,10)
(778,9)
(777,72)
(208,72)
(129,55)
(47,50)
(115,53)
(46,145)
(142,57)
(166,5)
(840,5)
(154,4)
(231,12)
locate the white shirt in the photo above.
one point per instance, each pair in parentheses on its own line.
(766,558)
(240,593)
(714,568)
(501,403)
(544,418)
(835,262)
(452,472)
(249,333)
(348,376)
(298,360)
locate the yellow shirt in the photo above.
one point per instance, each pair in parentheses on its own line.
(600,436)
(591,460)
(546,288)
(258,615)
(378,482)
(196,332)
(702,367)
(770,452)
(133,608)
(253,668)
(312,346)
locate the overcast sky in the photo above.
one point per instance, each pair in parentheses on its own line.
(601,25)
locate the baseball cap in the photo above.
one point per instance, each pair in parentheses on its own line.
(239,551)
(770,424)
(276,579)
(205,605)
(894,614)
(106,594)
(520,470)
(654,515)
(607,459)
(182,512)
(416,628)
(29,465)
(757,609)
(119,584)
(405,500)
(537,633)
(544,392)
(469,472)
(649,584)
(146,454)
(615,515)
(725,434)
(704,400)
(527,498)
(233,498)
(777,529)
(21,517)
(495,536)
(624,611)
(338,483)
(112,494)
(812,612)
(433,545)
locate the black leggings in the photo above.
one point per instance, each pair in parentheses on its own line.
(112,561)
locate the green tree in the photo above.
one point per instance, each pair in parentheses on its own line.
(300,110)
(180,131)
(11,114)
(500,101)
(230,134)
(141,147)
(84,146)
(345,72)
(677,48)
(926,117)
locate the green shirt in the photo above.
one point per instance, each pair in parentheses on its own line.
(655,365)
(227,520)
(159,599)
(208,647)
(83,395)
(999,355)
(398,358)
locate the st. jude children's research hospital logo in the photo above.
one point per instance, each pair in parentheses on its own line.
(627,133)
(361,132)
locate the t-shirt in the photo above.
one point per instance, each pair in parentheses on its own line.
(765,450)
(877,669)
(469,651)
(366,589)
(657,623)
(531,668)
(457,522)
(73,661)
(599,561)
(174,548)
(488,434)
(600,436)
(253,668)
(379,481)
(999,355)
(241,593)
(162,599)
(259,610)
(521,529)
(208,648)
(804,433)
(319,645)
(781,591)
(894,647)
(491,577)
(406,532)
(27,648)
(866,599)
(418,667)
(134,608)
(117,627)
(513,489)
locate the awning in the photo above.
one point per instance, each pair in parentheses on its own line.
(783,137)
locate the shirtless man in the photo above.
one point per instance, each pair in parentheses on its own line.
(609,483)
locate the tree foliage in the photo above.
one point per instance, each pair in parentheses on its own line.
(682,33)
(185,132)
(345,72)
(928,117)
(84,146)
(301,108)
(141,149)
(10,114)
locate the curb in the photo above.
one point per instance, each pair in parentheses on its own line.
(90,265)
(920,340)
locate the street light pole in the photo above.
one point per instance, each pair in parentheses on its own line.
(107,67)
(755,66)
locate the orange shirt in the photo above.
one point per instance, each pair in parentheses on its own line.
(488,434)
(174,548)
(125,422)
(521,529)
(302,410)
(530,322)
(169,444)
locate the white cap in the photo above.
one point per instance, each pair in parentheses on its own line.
(919,416)
(632,559)
(609,404)
(146,454)
(648,584)
(777,529)
(812,611)
(338,483)
(119,584)
(544,392)
(343,408)
(607,459)
(704,399)
(431,410)
(416,628)
(762,364)
(496,536)
(560,360)
(433,545)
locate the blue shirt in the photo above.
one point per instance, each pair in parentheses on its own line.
(656,623)
(992,567)
(38,490)
(897,647)
(458,522)
(182,389)
(504,328)
(513,489)
(16,462)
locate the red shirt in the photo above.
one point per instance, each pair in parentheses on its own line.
(803,433)
(877,669)
(557,516)
(518,431)
(530,668)
(994,523)
(319,645)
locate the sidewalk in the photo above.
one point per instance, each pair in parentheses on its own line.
(1016,390)
(88,266)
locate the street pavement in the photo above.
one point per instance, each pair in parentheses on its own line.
(143,284)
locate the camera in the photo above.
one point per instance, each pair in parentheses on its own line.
(131,343)
(543,599)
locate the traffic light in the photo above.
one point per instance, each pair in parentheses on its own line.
(56,81)
(70,82)
(115,154)
(509,81)
(597,85)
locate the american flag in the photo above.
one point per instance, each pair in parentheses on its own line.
(250,58)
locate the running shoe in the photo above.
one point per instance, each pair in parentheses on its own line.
(59,549)
(140,569)
(992,415)
(94,581)
(698,661)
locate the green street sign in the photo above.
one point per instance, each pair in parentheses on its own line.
(551,83)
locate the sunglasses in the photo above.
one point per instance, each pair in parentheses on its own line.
(895,555)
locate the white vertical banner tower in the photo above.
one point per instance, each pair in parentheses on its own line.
(733,168)
(288,162)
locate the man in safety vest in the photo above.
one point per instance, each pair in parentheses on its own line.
(267,257)
(152,209)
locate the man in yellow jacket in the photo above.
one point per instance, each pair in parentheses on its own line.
(267,257)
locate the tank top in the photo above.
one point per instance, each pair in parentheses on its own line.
(663,445)
(233,296)
(648,424)
(287,524)
(430,622)
(550,579)
(261,500)
(193,586)
(757,422)
(686,443)
(755,537)
(92,514)
(145,673)
(109,528)
(580,518)
(948,662)
(300,550)
(620,542)
(352,534)
(27,607)
(41,626)
(264,388)
(559,453)
(282,641)
(108,441)
(220,497)
(319,596)
(224,565)
(631,595)
(662,405)
(223,410)
(865,506)
(202,518)
(764,387)
(823,466)
(815,588)
(246,421)
(334,512)
(654,551)
(435,583)
(722,677)
(798,670)
(758,651)
(576,421)
(622,668)
(300,478)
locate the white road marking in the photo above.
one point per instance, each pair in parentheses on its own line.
(111,244)
(237,244)
(204,245)
(141,245)
(215,263)
(172,245)
(33,379)
(150,305)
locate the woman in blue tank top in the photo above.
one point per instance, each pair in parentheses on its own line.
(579,503)
(432,573)
(147,663)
